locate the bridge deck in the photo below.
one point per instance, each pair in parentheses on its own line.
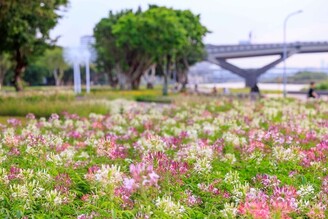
(253,50)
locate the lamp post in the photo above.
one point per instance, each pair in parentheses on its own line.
(285,49)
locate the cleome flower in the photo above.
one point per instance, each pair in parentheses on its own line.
(169,207)
(106,176)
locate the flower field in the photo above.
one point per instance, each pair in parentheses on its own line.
(215,159)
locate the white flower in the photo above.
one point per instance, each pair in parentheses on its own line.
(53,198)
(229,158)
(232,178)
(4,176)
(203,166)
(196,151)
(306,191)
(172,209)
(55,158)
(285,154)
(84,155)
(230,211)
(109,175)
(153,144)
(19,191)
(43,175)
(239,191)
(3,157)
(68,154)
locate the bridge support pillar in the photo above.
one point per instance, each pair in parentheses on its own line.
(250,75)
(251,79)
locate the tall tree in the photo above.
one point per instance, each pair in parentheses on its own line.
(54,62)
(133,43)
(5,65)
(24,30)
(164,37)
(110,58)
(193,50)
(130,32)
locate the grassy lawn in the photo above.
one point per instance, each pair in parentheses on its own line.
(43,101)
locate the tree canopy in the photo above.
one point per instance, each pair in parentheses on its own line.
(54,62)
(130,43)
(24,30)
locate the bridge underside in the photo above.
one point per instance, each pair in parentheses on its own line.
(250,75)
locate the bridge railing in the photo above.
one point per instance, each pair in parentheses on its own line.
(256,47)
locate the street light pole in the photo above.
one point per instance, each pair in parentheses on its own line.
(285,49)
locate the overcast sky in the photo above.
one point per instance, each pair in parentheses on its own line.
(229,20)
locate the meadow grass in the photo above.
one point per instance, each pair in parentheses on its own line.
(44,101)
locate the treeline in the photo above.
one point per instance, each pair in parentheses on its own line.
(302,77)
(129,45)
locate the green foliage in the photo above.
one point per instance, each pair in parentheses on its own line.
(25,27)
(54,62)
(34,75)
(323,86)
(5,65)
(154,99)
(109,55)
(129,43)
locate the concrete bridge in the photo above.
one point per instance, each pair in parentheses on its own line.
(220,54)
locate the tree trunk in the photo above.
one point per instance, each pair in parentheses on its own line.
(150,76)
(135,84)
(19,71)
(18,82)
(113,80)
(165,74)
(2,76)
(57,77)
(165,86)
(124,81)
(183,79)
(138,71)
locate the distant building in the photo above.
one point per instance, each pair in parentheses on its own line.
(88,42)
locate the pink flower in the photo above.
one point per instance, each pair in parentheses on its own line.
(124,195)
(53,117)
(110,149)
(63,182)
(255,209)
(144,174)
(85,197)
(153,179)
(14,173)
(14,122)
(317,211)
(192,200)
(30,116)
(129,184)
(14,151)
(324,186)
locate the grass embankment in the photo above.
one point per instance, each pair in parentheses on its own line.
(44,102)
